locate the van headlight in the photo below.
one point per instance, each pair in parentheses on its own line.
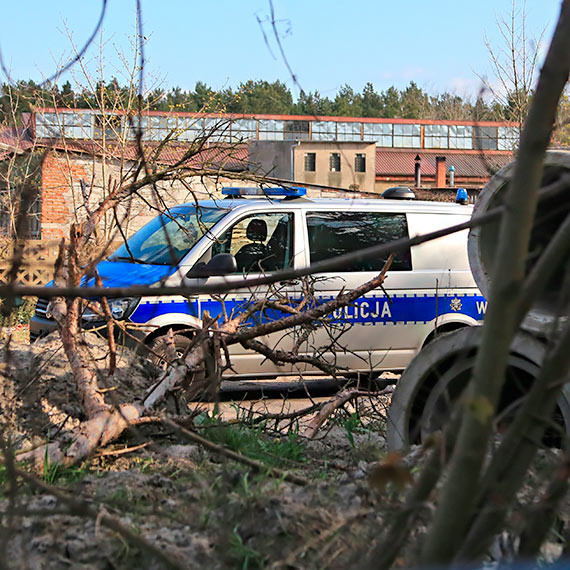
(120,309)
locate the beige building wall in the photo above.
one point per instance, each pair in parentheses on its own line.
(382,185)
(347,177)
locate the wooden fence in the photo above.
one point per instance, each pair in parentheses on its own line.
(38,261)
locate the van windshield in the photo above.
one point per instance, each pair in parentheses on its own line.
(169,237)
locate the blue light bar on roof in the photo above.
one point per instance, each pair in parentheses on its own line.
(289,191)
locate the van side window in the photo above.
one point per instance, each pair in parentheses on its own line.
(260,242)
(336,233)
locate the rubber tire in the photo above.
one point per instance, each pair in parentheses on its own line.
(406,396)
(159,347)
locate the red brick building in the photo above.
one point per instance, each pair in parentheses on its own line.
(85,151)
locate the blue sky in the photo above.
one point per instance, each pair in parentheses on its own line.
(437,44)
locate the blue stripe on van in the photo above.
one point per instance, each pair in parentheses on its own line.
(412,308)
(402,309)
(147,310)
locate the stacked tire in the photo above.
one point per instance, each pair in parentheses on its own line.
(438,375)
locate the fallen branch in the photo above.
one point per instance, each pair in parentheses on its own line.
(115,452)
(336,402)
(104,427)
(281,356)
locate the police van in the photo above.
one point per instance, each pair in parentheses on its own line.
(428,289)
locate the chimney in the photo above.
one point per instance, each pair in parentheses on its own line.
(440,171)
(417,171)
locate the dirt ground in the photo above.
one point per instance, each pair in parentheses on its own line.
(202,508)
(186,505)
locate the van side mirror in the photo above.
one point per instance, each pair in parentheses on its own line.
(220,264)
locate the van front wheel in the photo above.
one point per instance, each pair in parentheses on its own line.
(200,384)
(162,354)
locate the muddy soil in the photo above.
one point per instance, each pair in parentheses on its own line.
(198,507)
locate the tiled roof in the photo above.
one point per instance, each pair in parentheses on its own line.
(389,162)
(229,158)
(14,139)
(475,164)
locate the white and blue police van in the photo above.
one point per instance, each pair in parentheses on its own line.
(429,288)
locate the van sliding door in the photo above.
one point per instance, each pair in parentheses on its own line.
(374,332)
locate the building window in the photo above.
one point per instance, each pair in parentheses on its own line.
(310,162)
(349,131)
(244,129)
(508,138)
(334,162)
(108,126)
(460,136)
(296,130)
(217,130)
(360,162)
(380,133)
(436,136)
(485,138)
(77,125)
(407,136)
(323,131)
(271,130)
(189,128)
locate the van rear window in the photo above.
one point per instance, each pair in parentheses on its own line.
(336,233)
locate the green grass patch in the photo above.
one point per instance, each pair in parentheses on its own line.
(252,441)
(247,558)
(55,473)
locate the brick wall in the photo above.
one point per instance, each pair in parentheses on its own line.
(63,201)
(444,194)
(58,176)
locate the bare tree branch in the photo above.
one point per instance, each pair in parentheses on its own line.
(447,532)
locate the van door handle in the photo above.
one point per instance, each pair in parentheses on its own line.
(289,282)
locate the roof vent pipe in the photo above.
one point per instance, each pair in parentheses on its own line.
(418,171)
(452,176)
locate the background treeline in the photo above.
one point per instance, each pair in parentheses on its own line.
(264,97)
(255,97)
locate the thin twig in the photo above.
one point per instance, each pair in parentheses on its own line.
(256,465)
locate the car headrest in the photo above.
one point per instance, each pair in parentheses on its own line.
(256,230)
